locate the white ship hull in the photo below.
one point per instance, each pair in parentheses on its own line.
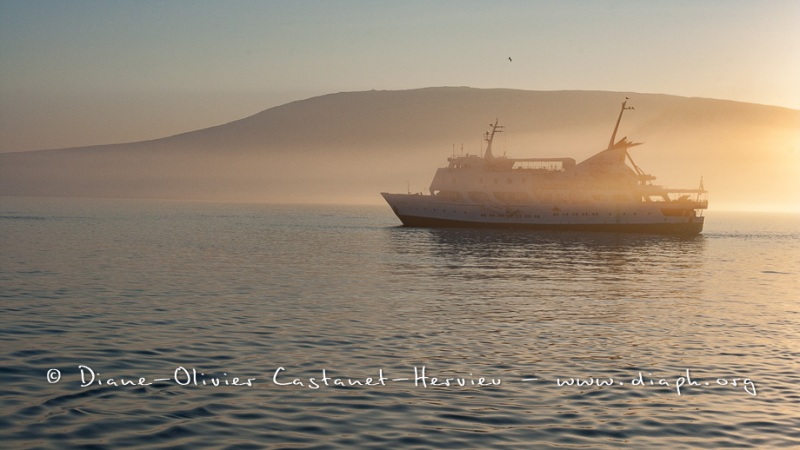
(416,210)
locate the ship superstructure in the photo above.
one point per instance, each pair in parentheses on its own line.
(606,192)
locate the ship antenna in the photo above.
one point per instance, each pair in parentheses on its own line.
(616,127)
(700,190)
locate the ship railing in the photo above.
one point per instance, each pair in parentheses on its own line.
(695,198)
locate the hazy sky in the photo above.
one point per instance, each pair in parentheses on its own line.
(93,72)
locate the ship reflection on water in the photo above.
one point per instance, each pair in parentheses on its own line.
(531,277)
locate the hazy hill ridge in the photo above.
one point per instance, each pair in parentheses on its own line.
(349,146)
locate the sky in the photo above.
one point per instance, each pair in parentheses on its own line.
(76,73)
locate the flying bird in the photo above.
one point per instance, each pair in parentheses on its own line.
(509,58)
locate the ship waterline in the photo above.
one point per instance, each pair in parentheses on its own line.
(606,192)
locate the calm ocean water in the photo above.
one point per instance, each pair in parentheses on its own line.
(145,324)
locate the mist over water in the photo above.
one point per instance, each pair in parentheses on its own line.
(700,332)
(348,147)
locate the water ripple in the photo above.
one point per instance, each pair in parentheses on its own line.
(240,290)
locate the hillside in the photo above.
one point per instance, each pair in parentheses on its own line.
(347,147)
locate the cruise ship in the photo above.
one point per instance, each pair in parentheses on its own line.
(606,192)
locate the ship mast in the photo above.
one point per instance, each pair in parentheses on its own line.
(616,127)
(489,137)
(642,175)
